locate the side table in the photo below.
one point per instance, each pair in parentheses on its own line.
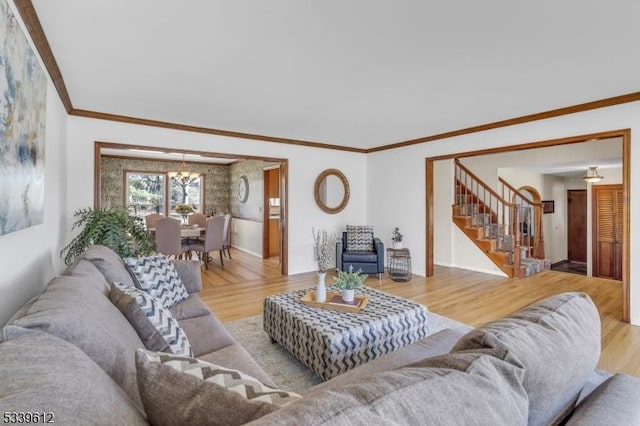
(399,267)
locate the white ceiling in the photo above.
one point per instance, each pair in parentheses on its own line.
(360,73)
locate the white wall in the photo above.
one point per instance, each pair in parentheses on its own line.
(30,257)
(246,235)
(396,178)
(555,225)
(305,164)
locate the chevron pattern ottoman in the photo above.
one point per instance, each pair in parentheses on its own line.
(332,342)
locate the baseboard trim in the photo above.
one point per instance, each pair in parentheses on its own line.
(244,250)
(481,270)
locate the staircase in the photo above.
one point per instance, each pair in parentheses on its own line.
(507,227)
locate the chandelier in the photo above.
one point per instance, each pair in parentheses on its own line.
(592,175)
(183,174)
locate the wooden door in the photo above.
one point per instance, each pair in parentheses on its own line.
(608,204)
(577,225)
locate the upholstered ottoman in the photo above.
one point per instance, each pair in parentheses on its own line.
(332,342)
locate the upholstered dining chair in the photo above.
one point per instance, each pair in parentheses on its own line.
(359,248)
(213,240)
(151,219)
(168,239)
(197,219)
(226,244)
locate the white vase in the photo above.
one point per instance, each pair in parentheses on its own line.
(397,244)
(348,295)
(321,288)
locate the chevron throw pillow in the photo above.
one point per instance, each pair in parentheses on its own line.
(158,276)
(157,327)
(359,238)
(182,390)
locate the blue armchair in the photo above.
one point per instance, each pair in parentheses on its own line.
(369,261)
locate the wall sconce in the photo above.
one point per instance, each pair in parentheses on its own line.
(592,175)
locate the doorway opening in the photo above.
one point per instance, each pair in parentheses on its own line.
(231,183)
(271,213)
(576,261)
(619,136)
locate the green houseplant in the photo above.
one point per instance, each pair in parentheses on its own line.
(348,282)
(117,229)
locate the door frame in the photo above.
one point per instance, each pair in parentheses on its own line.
(284,183)
(625,134)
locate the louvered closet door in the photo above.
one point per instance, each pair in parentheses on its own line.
(608,204)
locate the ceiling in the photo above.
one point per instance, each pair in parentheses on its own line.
(359,74)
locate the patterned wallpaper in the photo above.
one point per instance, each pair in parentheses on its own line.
(217,190)
(252,209)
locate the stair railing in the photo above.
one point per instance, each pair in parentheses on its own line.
(532,234)
(499,218)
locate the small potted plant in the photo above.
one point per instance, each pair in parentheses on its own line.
(396,238)
(184,210)
(348,282)
(324,249)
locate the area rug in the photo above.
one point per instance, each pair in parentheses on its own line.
(285,370)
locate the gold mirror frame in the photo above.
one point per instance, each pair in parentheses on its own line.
(345,183)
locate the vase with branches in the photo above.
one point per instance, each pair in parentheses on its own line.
(324,249)
(117,229)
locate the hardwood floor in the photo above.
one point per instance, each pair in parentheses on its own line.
(238,290)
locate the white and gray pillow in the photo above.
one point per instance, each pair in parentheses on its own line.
(359,238)
(158,276)
(184,390)
(157,327)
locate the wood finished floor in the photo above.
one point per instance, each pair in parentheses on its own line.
(238,290)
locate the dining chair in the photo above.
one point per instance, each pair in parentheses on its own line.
(197,219)
(151,219)
(168,239)
(226,244)
(213,240)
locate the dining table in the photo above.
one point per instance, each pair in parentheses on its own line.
(186,231)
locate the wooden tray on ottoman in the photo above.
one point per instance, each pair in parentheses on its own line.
(334,302)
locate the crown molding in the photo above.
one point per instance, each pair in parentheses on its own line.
(206,130)
(601,103)
(32,22)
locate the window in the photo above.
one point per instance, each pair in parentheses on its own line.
(186,191)
(147,192)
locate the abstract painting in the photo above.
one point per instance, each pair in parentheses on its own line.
(23,91)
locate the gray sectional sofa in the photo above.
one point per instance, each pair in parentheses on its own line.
(70,354)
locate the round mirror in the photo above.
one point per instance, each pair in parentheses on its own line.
(332,191)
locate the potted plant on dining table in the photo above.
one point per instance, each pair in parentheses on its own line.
(183,210)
